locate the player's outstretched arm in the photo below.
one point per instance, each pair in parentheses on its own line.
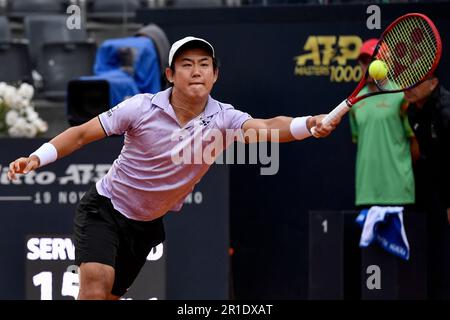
(62,145)
(289,129)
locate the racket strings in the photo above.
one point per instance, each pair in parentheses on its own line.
(403,72)
(409,50)
(407,70)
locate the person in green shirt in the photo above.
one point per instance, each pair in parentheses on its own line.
(380,128)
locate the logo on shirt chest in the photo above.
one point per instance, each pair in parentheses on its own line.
(205,121)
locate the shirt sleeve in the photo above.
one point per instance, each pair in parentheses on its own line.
(234,119)
(231,121)
(124,117)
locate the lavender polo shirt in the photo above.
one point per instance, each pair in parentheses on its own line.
(144,182)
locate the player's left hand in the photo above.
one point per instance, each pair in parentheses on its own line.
(321,130)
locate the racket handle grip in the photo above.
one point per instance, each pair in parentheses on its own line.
(336,113)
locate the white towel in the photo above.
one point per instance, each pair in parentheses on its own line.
(385,226)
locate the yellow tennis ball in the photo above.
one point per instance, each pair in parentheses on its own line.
(378,70)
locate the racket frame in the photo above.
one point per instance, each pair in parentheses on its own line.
(353,98)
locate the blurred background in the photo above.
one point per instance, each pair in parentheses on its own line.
(241,235)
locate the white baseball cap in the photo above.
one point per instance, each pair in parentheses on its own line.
(178,44)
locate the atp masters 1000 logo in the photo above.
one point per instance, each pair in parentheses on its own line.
(332,56)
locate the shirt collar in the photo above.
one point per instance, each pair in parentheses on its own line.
(161,100)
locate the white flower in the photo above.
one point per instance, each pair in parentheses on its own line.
(21,118)
(40,125)
(12,99)
(22,129)
(9,95)
(22,103)
(21,122)
(17,103)
(30,130)
(27,103)
(26,91)
(31,115)
(16,131)
(11,117)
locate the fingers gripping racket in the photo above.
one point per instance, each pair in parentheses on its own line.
(411,48)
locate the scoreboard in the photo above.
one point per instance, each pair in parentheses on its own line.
(52,275)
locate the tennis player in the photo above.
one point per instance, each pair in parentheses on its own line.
(119,219)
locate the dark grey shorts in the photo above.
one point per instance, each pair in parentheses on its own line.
(102,234)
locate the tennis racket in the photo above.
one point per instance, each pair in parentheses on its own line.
(411,49)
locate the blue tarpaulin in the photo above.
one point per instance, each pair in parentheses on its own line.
(145,58)
(142,75)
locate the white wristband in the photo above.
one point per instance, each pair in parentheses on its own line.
(299,129)
(46,153)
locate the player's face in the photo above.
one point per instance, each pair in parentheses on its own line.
(420,92)
(194,73)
